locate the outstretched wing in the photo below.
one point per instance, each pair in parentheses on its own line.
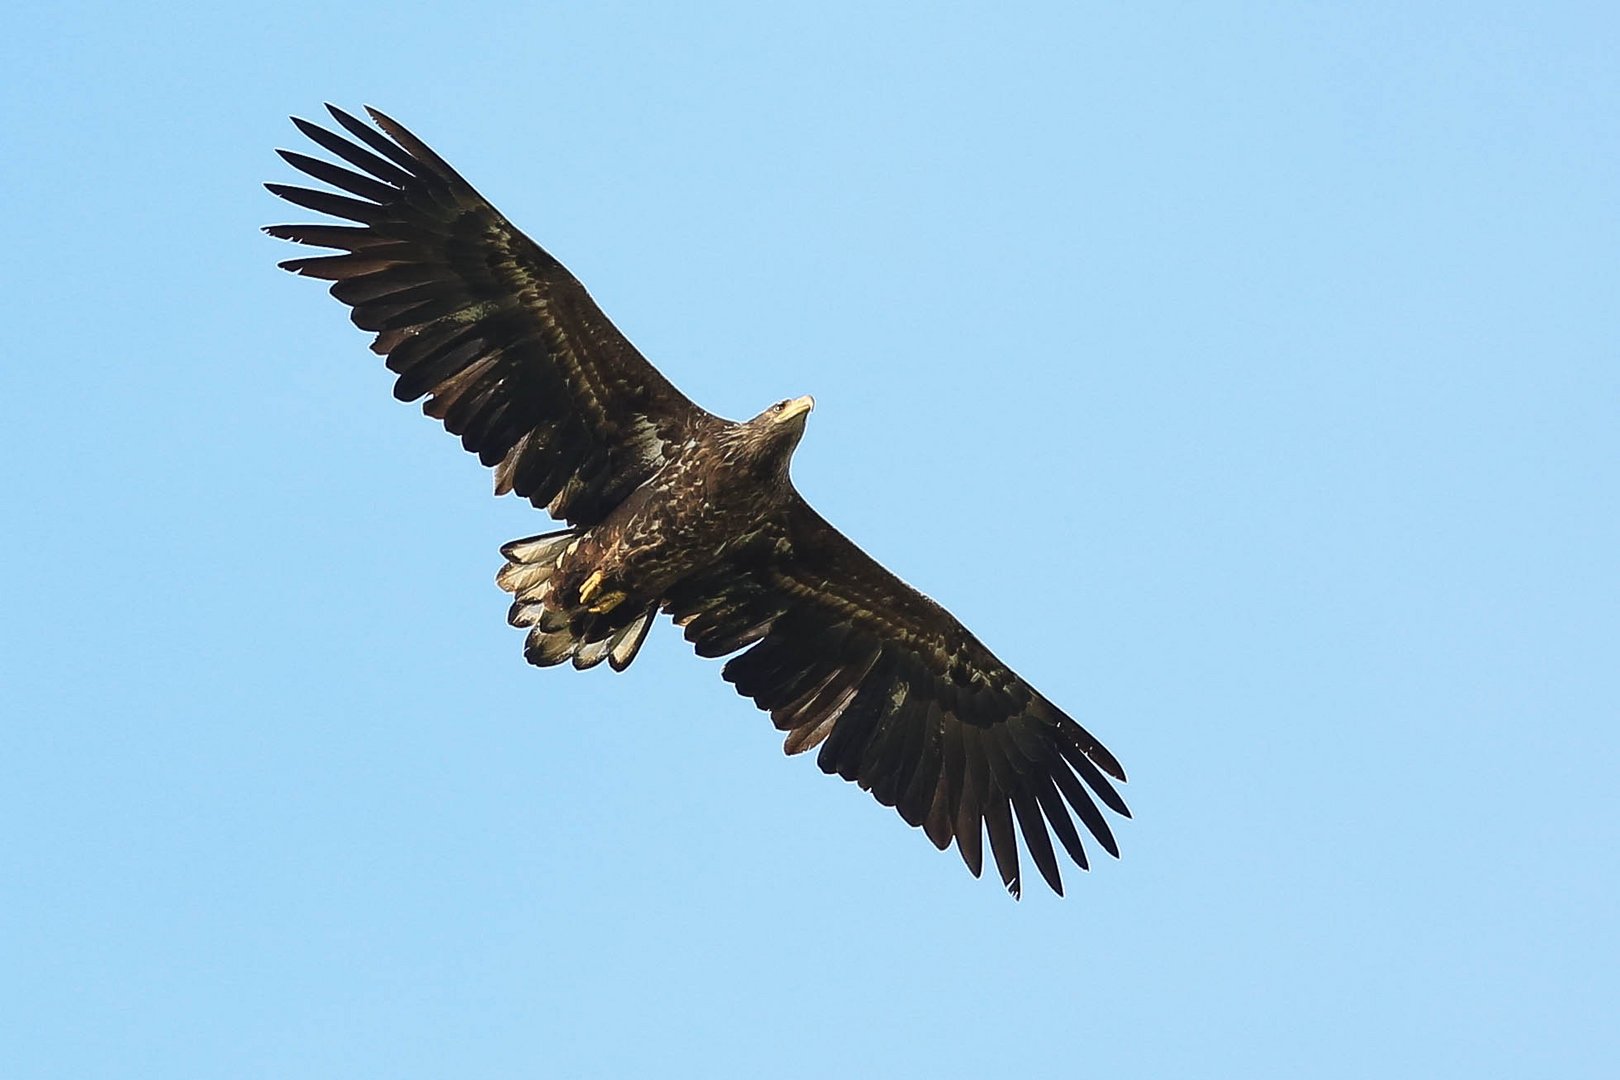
(514,355)
(901,698)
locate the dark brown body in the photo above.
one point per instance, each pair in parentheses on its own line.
(693,515)
(715,501)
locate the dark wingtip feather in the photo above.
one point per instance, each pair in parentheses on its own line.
(1107,762)
(341,115)
(354,183)
(416,148)
(386,122)
(377,141)
(1036,840)
(1051,805)
(1003,845)
(1099,754)
(324,202)
(1099,784)
(354,154)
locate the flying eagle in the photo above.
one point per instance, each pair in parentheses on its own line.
(671,508)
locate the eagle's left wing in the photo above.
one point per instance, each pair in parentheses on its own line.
(510,350)
(900,697)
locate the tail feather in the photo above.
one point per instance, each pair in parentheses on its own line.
(556,635)
(624,645)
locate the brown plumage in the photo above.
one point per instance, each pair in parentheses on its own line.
(673,509)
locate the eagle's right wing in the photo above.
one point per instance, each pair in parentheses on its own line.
(900,697)
(514,354)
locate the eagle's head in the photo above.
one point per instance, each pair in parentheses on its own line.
(771,436)
(787,415)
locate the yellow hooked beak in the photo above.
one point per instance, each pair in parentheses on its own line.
(797,407)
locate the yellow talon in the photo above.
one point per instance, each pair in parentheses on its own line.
(592,583)
(606,603)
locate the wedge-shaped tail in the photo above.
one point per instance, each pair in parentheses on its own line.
(584,637)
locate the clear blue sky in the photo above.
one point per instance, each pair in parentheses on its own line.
(1246,375)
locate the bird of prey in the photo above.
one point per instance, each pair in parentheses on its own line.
(671,508)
